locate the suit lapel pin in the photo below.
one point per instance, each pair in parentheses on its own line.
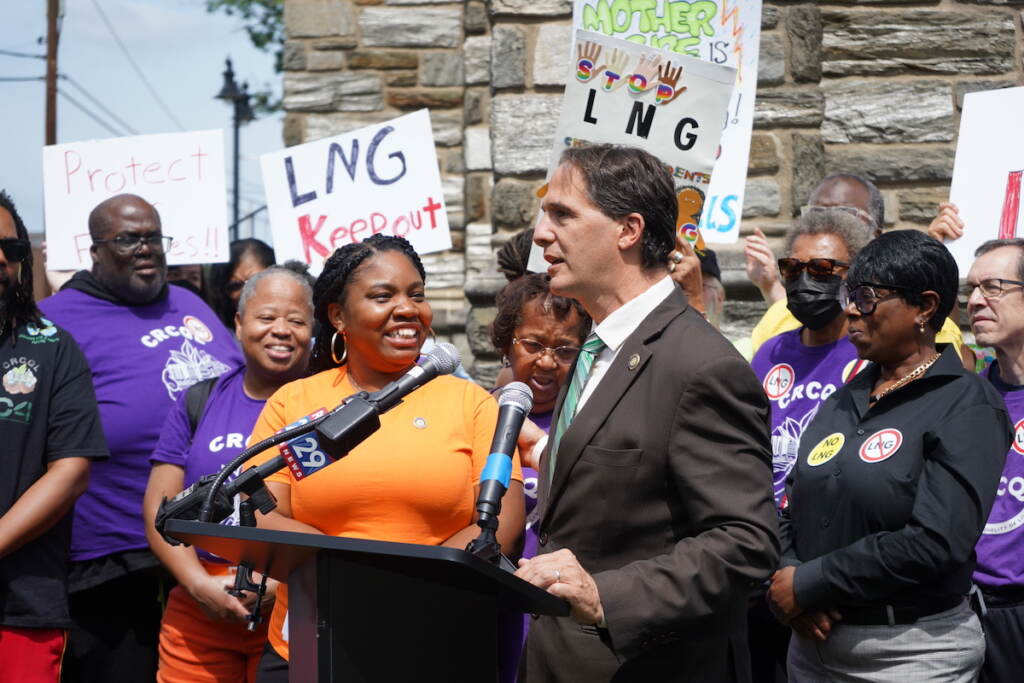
(634,361)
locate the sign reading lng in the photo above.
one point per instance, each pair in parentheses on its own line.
(718,31)
(379,179)
(181,174)
(671,105)
(988,171)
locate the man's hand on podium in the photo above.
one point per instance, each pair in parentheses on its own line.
(561,574)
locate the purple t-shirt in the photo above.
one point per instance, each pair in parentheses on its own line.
(999,548)
(142,358)
(797,378)
(220,435)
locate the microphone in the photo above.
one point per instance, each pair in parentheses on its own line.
(514,405)
(357,418)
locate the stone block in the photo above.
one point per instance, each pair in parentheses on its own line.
(445,269)
(320,60)
(764,153)
(523,127)
(551,54)
(454,200)
(293,130)
(477,148)
(789,107)
(473,105)
(891,163)
(335,43)
(808,167)
(478,330)
(383,59)
(804,33)
(478,188)
(477,60)
(319,126)
(769,17)
(293,56)
(877,111)
(442,68)
(961,88)
(342,91)
(417,98)
(447,127)
(479,254)
(771,62)
(508,57)
(514,203)
(400,79)
(474,20)
(918,40)
(453,162)
(400,27)
(315,18)
(761,198)
(920,205)
(531,8)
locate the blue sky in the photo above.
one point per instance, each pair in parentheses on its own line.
(178,46)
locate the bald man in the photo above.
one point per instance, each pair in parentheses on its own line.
(146,343)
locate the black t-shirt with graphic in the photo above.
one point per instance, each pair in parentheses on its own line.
(47,411)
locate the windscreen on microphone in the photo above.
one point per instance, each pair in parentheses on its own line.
(517,394)
(445,357)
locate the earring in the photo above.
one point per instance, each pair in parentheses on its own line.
(920,327)
(433,335)
(344,351)
(505,362)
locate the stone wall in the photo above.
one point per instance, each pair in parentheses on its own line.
(872,87)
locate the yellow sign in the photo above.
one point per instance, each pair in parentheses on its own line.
(826,449)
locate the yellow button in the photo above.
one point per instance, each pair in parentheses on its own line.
(826,449)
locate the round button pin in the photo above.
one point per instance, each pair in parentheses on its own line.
(634,361)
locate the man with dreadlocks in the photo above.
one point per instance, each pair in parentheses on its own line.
(50,428)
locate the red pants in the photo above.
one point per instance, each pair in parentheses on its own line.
(196,649)
(31,655)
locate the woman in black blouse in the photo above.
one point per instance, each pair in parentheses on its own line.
(893,483)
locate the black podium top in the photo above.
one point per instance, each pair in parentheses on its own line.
(277,553)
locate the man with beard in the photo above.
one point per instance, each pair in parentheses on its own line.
(146,343)
(51,430)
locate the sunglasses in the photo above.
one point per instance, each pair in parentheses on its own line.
(864,296)
(790,268)
(15,249)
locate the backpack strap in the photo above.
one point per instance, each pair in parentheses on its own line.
(196,397)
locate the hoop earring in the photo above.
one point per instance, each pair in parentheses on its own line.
(433,335)
(344,351)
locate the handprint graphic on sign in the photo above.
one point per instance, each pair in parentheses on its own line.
(668,77)
(588,53)
(613,70)
(643,76)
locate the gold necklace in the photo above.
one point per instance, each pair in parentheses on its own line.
(909,377)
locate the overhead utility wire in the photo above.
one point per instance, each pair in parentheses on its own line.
(128,56)
(26,55)
(11,79)
(85,110)
(99,104)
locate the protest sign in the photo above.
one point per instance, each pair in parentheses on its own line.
(181,174)
(379,179)
(670,105)
(987,172)
(719,31)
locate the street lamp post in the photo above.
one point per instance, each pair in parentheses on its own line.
(239,97)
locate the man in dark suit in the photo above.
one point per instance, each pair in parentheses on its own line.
(655,514)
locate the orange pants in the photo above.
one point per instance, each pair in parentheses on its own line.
(31,655)
(197,649)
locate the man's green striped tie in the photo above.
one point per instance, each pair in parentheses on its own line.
(591,347)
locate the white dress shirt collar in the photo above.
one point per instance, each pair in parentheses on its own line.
(623,321)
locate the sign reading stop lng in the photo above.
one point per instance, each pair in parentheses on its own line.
(181,174)
(380,179)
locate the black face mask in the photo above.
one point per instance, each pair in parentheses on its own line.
(814,302)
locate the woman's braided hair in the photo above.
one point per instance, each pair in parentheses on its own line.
(330,287)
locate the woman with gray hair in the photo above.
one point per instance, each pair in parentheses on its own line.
(801,368)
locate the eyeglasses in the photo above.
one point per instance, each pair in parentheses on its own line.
(855,211)
(15,249)
(864,297)
(129,244)
(790,268)
(991,288)
(563,354)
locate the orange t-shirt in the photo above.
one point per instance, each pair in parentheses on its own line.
(410,482)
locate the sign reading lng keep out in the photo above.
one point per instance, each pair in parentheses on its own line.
(181,174)
(380,179)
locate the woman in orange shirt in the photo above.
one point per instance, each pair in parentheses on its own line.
(413,481)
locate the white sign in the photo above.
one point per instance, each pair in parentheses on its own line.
(181,174)
(987,174)
(380,179)
(719,31)
(672,106)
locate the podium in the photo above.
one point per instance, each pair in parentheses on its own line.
(377,612)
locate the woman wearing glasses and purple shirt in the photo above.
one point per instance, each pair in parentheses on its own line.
(892,486)
(801,368)
(539,335)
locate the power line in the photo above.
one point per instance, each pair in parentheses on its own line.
(26,55)
(11,79)
(85,110)
(131,60)
(99,104)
